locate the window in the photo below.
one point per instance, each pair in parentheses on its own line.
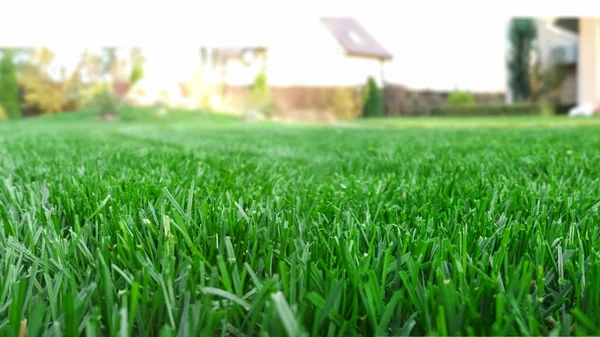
(355,37)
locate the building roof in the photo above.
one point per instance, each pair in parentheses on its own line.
(355,39)
(351,35)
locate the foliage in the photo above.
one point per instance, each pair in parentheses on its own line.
(343,104)
(137,73)
(47,94)
(522,33)
(373,103)
(93,65)
(491,110)
(260,94)
(135,230)
(104,101)
(545,83)
(113,69)
(137,69)
(88,95)
(461,98)
(42,93)
(547,109)
(9,87)
(3,115)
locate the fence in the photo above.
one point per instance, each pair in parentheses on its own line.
(399,100)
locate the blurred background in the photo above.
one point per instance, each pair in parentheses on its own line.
(313,68)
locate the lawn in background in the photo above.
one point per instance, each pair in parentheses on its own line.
(477,122)
(222,228)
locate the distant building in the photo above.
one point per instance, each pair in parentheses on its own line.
(585,54)
(556,46)
(319,52)
(314,52)
(573,43)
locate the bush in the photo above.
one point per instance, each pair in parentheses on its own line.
(260,95)
(461,98)
(87,96)
(9,87)
(373,104)
(343,104)
(519,109)
(3,115)
(42,93)
(547,109)
(137,73)
(105,102)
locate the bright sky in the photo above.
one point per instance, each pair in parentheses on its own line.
(444,54)
(436,44)
(439,55)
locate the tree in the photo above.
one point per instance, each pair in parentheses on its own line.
(92,65)
(545,83)
(45,92)
(104,101)
(522,33)
(9,87)
(42,92)
(373,106)
(108,70)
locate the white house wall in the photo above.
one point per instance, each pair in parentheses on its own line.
(240,73)
(166,66)
(548,35)
(307,54)
(589,61)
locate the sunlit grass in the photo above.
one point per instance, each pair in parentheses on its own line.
(478,122)
(216,229)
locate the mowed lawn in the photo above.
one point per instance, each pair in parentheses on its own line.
(211,227)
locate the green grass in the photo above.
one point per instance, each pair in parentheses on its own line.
(478,122)
(203,228)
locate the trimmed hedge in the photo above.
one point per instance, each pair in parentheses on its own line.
(519,109)
(563,109)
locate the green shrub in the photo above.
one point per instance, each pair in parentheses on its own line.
(42,93)
(491,110)
(2,113)
(137,73)
(373,104)
(260,95)
(547,109)
(461,98)
(105,102)
(87,96)
(9,87)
